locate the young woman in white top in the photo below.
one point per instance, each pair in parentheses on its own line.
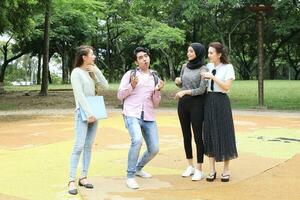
(219,134)
(84,77)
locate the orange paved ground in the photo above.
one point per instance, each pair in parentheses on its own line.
(266,168)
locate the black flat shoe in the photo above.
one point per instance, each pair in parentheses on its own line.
(211,177)
(74,191)
(87,185)
(225,178)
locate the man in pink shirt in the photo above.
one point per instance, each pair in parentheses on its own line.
(140,94)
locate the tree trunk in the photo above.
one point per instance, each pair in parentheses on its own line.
(49,77)
(27,65)
(296,75)
(121,57)
(3,68)
(2,88)
(65,71)
(272,70)
(30,71)
(108,57)
(172,71)
(260,47)
(70,60)
(170,63)
(108,51)
(38,75)
(44,86)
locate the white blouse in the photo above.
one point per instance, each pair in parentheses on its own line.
(224,72)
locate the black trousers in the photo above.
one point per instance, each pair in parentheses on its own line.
(191,114)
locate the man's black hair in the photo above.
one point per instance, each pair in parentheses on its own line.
(140,49)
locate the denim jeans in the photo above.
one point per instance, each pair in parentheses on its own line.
(138,129)
(85,135)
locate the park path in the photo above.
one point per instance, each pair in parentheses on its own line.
(159,110)
(35,146)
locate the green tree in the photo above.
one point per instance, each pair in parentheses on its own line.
(165,38)
(73,23)
(292,53)
(282,27)
(15,21)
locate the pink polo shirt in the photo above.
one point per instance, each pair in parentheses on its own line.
(142,98)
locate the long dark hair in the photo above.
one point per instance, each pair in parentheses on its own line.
(220,49)
(81,51)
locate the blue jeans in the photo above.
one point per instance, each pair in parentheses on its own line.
(139,128)
(85,135)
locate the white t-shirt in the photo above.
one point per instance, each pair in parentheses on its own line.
(224,72)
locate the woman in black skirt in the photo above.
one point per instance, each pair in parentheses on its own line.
(219,135)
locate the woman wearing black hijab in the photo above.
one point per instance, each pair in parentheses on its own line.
(191,106)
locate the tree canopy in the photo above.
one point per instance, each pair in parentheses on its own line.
(115,28)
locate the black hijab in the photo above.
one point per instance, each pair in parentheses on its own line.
(200,54)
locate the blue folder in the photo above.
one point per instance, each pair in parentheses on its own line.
(98,108)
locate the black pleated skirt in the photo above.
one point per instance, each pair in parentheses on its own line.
(218,128)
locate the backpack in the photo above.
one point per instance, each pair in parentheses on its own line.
(133,73)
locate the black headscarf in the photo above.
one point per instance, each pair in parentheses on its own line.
(200,54)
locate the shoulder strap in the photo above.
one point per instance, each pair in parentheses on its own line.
(155,76)
(153,73)
(132,73)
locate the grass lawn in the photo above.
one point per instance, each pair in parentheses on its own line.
(279,95)
(35,88)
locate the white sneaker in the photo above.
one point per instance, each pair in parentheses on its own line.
(131,183)
(189,171)
(143,174)
(198,175)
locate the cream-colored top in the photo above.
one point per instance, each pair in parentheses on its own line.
(83,85)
